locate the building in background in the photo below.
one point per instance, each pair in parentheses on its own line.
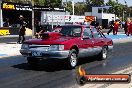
(102,17)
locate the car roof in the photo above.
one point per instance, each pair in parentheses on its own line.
(76,25)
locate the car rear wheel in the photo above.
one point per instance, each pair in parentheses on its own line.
(72,59)
(103,54)
(33,62)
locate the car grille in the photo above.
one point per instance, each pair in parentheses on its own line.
(36,46)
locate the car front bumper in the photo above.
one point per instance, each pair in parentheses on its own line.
(110,48)
(46,54)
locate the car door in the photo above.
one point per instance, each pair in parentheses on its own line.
(98,40)
(87,40)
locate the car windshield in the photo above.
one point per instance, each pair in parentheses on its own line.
(73,31)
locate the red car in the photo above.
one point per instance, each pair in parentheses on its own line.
(70,42)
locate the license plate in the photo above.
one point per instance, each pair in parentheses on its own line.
(36,54)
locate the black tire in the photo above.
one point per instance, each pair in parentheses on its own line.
(72,59)
(82,80)
(103,54)
(33,62)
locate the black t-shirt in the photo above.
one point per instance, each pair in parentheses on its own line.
(22,25)
(112,24)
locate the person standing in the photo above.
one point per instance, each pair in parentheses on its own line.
(6,23)
(38,28)
(125,27)
(122,24)
(111,27)
(129,24)
(130,28)
(22,30)
(116,26)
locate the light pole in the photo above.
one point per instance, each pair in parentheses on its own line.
(52,19)
(124,10)
(73,7)
(32,1)
(73,10)
(123,15)
(1,17)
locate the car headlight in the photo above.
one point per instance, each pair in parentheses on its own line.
(24,46)
(56,47)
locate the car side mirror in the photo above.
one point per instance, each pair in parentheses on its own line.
(86,37)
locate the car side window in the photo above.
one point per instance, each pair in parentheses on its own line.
(87,33)
(74,31)
(96,34)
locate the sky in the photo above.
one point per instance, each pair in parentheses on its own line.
(129,2)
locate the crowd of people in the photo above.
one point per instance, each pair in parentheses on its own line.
(115,25)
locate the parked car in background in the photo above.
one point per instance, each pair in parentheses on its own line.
(70,42)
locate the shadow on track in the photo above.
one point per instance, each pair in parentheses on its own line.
(50,65)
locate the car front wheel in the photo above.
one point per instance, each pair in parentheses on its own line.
(103,54)
(72,59)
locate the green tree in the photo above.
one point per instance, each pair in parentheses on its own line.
(80,8)
(68,6)
(117,8)
(19,1)
(91,3)
(40,2)
(53,3)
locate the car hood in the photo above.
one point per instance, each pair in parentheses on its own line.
(50,41)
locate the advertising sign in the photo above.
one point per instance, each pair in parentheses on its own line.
(89,18)
(16,6)
(65,18)
(8,6)
(78,18)
(44,8)
(4,31)
(54,18)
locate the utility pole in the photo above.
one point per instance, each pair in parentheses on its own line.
(32,18)
(1,17)
(73,7)
(52,19)
(123,15)
(73,10)
(126,8)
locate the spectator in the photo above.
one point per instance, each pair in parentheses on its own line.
(38,28)
(111,26)
(125,27)
(122,24)
(129,24)
(6,23)
(22,29)
(116,26)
